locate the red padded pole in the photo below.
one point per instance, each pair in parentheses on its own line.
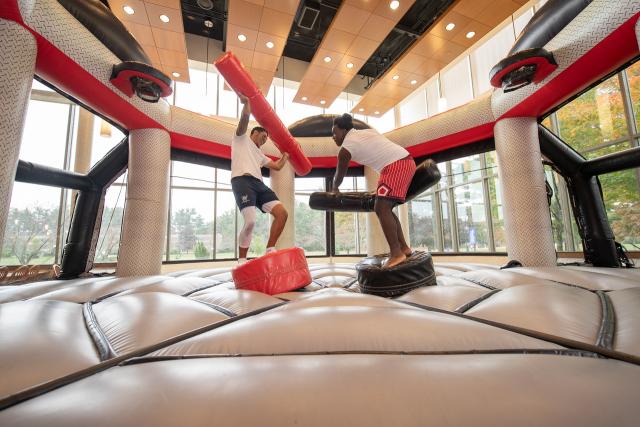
(239,79)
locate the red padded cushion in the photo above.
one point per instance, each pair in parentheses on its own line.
(275,273)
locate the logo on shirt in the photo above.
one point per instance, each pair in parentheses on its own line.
(245,199)
(383,190)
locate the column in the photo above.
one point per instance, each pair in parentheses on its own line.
(526,210)
(17,64)
(282,183)
(376,242)
(145,217)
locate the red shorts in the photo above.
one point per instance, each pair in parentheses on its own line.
(395,179)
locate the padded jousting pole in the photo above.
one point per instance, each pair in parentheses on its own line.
(239,79)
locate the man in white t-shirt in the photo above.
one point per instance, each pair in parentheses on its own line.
(396,169)
(246,182)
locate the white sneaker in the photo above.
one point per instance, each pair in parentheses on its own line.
(241,261)
(271,249)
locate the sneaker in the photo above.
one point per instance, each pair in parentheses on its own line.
(241,261)
(271,249)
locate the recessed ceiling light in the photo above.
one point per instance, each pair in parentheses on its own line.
(327,59)
(450,26)
(361,109)
(304,98)
(414,82)
(350,65)
(128,10)
(242,37)
(269,45)
(164,18)
(322,102)
(394,4)
(208,23)
(175,74)
(396,77)
(470,34)
(377,112)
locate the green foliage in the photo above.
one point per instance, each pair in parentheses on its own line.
(200,251)
(30,235)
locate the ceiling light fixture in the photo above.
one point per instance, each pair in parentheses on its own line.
(450,26)
(349,65)
(322,102)
(361,109)
(394,4)
(304,98)
(327,59)
(128,10)
(470,34)
(164,18)
(175,74)
(208,23)
(377,112)
(414,82)
(269,45)
(396,77)
(242,37)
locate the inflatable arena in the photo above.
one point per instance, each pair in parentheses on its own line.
(471,262)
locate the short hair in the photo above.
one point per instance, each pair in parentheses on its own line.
(259,129)
(344,121)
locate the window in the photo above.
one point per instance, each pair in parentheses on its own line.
(310,225)
(111,225)
(622,202)
(414,108)
(350,227)
(633,77)
(485,57)
(422,223)
(456,84)
(472,221)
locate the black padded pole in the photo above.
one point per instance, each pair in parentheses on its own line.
(615,162)
(34,173)
(586,199)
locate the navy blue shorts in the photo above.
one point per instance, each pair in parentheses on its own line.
(250,191)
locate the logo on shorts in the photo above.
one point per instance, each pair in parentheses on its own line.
(383,190)
(245,199)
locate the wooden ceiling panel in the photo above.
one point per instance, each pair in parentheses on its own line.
(338,40)
(317,74)
(175,18)
(140,13)
(163,42)
(340,79)
(290,7)
(278,44)
(435,48)
(169,39)
(396,15)
(321,54)
(244,14)
(377,28)
(265,62)
(350,19)
(368,5)
(234,31)
(244,55)
(276,23)
(357,63)
(362,48)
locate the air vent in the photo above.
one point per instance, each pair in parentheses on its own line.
(308,18)
(205,4)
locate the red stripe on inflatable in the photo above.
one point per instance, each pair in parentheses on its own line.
(197,145)
(10,11)
(239,79)
(437,145)
(609,54)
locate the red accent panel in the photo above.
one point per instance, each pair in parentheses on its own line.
(10,11)
(468,136)
(275,273)
(202,146)
(239,79)
(612,52)
(543,69)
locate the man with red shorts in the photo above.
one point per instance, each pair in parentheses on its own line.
(396,169)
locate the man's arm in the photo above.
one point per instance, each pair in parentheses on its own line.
(244,118)
(344,156)
(279,164)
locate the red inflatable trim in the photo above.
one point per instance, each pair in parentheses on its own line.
(239,79)
(280,271)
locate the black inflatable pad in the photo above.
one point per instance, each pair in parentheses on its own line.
(415,272)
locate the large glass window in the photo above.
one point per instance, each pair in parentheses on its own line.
(414,108)
(310,225)
(350,227)
(422,223)
(472,222)
(622,201)
(633,77)
(485,57)
(456,84)
(111,225)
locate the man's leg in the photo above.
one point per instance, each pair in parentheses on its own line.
(280,215)
(390,228)
(244,238)
(403,243)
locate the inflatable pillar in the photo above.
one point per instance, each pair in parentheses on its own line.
(145,216)
(17,64)
(282,183)
(376,242)
(526,209)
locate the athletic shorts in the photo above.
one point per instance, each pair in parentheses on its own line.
(250,191)
(395,179)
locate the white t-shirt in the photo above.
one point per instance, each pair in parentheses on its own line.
(369,148)
(246,157)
